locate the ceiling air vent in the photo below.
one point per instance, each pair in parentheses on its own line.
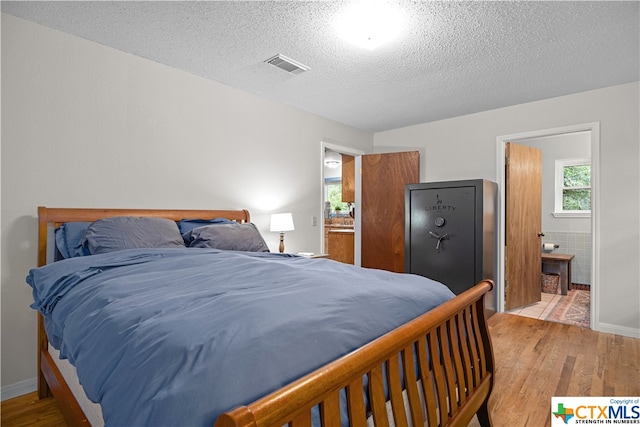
(287,64)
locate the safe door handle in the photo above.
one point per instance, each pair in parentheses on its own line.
(439,237)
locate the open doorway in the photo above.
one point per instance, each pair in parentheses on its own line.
(340,241)
(568,235)
(378,211)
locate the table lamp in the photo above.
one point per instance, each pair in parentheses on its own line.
(280,223)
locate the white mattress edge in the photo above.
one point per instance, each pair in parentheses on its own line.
(68,371)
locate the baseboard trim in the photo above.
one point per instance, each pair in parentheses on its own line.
(18,389)
(618,330)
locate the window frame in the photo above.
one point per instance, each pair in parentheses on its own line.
(558,211)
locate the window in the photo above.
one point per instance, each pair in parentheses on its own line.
(573,188)
(333,187)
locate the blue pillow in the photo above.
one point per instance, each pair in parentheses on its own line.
(234,237)
(128,232)
(69,239)
(186,225)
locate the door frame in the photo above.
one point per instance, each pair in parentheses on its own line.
(356,220)
(594,131)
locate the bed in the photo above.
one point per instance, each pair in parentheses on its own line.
(432,364)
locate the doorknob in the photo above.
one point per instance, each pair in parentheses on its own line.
(541,234)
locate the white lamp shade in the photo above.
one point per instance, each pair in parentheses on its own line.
(282,222)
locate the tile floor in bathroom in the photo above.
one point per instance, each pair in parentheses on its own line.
(539,310)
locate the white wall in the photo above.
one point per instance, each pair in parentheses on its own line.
(465,148)
(89,126)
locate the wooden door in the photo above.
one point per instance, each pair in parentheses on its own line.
(523,225)
(384,177)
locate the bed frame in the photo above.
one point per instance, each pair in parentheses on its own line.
(449,345)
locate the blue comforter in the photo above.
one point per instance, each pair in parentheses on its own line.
(175,337)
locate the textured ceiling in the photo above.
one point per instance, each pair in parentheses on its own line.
(451,58)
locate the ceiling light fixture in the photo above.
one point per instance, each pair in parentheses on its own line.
(332,159)
(332,163)
(370,24)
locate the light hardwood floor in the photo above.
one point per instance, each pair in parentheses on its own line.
(539,310)
(28,411)
(535,360)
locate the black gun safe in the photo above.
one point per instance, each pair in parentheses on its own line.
(450,232)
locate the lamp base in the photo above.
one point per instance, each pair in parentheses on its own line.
(281,242)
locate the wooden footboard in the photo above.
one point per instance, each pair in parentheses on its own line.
(436,370)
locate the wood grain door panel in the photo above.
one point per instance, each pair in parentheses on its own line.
(523,223)
(384,177)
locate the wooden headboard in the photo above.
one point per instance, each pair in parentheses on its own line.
(54,217)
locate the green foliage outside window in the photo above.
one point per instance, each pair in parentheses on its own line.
(576,193)
(334,196)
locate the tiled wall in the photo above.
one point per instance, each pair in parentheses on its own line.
(578,244)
